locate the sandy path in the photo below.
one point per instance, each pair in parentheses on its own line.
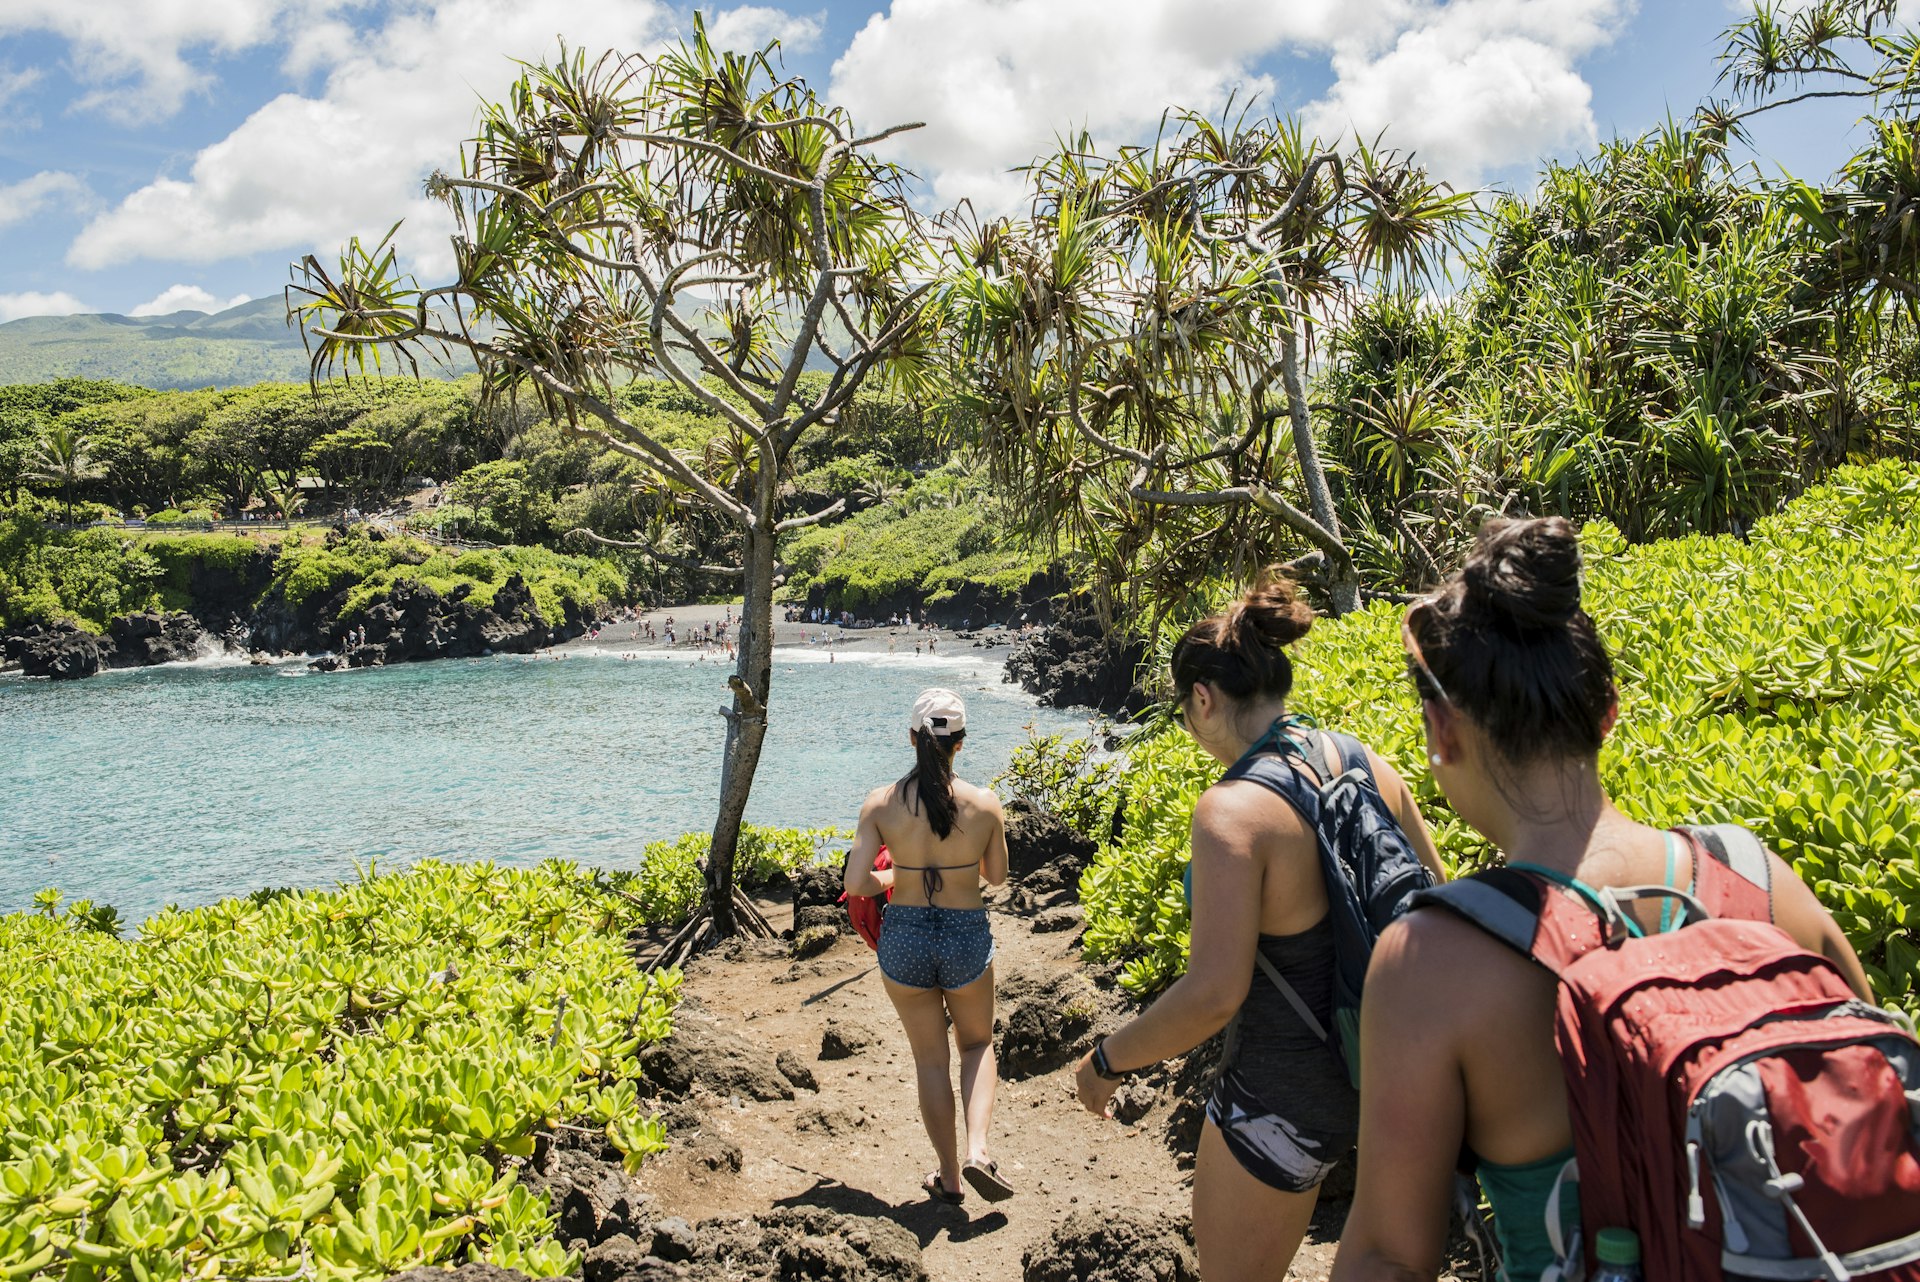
(1060,1158)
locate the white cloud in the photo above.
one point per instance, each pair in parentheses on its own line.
(997,81)
(750,27)
(1472,84)
(14,83)
(1477,85)
(22,200)
(14,307)
(133,53)
(307,172)
(185,298)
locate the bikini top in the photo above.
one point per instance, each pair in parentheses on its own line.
(930,874)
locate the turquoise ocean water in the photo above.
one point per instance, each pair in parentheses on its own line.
(186,783)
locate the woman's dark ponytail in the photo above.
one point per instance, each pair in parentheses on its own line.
(933,773)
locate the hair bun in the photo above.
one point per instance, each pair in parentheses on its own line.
(1526,573)
(1272,612)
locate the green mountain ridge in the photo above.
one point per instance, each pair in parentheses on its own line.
(181,351)
(251,343)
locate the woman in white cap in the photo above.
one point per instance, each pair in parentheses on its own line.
(936,950)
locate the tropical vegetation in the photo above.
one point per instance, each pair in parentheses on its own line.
(339,1084)
(1750,693)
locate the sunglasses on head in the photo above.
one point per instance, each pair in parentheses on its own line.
(1425,684)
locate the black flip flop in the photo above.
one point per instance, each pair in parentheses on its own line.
(986,1181)
(936,1189)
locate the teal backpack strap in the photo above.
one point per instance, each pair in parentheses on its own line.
(1583,890)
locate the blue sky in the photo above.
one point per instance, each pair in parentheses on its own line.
(165,154)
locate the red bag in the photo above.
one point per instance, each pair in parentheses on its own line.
(866,912)
(1732,1101)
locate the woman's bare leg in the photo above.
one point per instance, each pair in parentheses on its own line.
(972,1011)
(1243,1230)
(924,1015)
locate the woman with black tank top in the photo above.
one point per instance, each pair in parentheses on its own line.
(945,836)
(1282,1110)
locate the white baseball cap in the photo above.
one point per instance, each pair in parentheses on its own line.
(939,711)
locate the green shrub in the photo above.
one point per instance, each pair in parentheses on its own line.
(669,885)
(178,554)
(481,567)
(174,516)
(336,1083)
(1774,682)
(84,576)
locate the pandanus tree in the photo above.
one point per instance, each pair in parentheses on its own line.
(1866,222)
(694,216)
(1136,346)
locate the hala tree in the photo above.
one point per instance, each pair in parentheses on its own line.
(693,216)
(1136,346)
(1865,223)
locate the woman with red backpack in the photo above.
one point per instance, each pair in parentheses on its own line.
(1563,956)
(945,836)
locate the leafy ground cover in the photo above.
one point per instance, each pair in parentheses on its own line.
(332,1084)
(1773,681)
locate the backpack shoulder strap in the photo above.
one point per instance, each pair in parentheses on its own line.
(1737,881)
(1353,755)
(1275,773)
(1537,920)
(1503,903)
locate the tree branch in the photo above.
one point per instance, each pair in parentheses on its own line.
(654,554)
(715,149)
(1751,112)
(834,508)
(1302,191)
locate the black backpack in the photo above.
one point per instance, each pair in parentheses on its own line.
(1371,869)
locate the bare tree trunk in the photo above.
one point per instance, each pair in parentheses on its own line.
(746,722)
(1343,581)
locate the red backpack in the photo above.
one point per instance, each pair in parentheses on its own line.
(1732,1101)
(866,912)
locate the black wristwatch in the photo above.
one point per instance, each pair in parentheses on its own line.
(1102,1069)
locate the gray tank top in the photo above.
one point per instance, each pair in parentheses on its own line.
(1270,1047)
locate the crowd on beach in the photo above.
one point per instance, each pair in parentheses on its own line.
(1651,1052)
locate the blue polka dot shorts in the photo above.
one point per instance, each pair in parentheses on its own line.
(926,947)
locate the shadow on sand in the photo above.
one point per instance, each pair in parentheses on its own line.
(925,1218)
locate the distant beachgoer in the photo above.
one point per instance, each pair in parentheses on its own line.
(936,950)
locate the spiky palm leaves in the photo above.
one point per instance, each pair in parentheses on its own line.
(1133,348)
(1641,345)
(61,458)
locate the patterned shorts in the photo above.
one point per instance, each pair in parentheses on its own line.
(1275,1150)
(926,947)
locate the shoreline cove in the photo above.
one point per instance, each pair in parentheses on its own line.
(185,783)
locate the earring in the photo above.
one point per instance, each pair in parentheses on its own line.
(1433,759)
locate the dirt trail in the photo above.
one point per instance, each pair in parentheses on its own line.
(855,1145)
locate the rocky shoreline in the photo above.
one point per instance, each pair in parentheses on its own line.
(1075,660)
(411,624)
